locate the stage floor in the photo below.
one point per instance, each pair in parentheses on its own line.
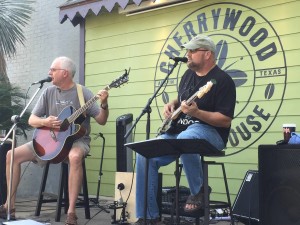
(26,207)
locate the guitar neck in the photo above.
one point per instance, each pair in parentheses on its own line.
(81,110)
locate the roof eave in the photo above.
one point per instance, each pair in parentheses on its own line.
(76,11)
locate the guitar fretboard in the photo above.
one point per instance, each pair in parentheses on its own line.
(81,110)
(189,101)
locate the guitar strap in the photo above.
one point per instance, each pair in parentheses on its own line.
(80,96)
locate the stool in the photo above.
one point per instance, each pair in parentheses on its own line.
(211,152)
(214,204)
(62,198)
(177,147)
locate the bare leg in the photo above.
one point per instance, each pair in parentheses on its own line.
(75,176)
(22,154)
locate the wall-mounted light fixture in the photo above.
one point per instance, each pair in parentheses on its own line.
(148,6)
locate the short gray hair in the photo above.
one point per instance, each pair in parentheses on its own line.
(67,64)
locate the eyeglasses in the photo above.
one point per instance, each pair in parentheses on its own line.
(54,69)
(196,50)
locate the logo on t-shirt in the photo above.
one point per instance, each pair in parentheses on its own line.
(64,103)
(248,49)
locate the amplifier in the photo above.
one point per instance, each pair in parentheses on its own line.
(246,207)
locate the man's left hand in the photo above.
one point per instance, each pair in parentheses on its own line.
(103,95)
(190,110)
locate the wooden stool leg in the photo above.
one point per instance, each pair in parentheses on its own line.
(228,194)
(62,196)
(63,177)
(65,199)
(206,193)
(42,189)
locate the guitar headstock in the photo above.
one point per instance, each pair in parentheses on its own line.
(121,80)
(204,89)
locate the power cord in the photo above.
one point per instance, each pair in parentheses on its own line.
(120,204)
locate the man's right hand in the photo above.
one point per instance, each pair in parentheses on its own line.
(169,109)
(52,122)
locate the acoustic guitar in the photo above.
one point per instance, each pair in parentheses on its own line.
(54,144)
(169,123)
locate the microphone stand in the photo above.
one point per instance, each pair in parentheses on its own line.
(96,201)
(16,119)
(147,109)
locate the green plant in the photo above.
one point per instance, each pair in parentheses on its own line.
(14,15)
(12,102)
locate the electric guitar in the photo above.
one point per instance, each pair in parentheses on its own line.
(54,144)
(168,122)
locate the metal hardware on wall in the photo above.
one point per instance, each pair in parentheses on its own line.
(149,6)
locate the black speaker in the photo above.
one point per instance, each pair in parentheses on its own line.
(279,184)
(124,155)
(246,207)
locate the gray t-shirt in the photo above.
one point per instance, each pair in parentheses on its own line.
(53,101)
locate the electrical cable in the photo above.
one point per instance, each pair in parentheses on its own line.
(133,176)
(133,169)
(165,85)
(96,200)
(121,187)
(93,216)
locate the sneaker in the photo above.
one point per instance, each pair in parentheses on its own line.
(3,213)
(71,219)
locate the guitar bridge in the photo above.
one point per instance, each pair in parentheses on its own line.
(53,135)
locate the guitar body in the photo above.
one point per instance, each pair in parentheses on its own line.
(168,125)
(53,144)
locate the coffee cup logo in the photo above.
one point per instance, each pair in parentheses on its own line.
(248,49)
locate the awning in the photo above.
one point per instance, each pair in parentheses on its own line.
(77,10)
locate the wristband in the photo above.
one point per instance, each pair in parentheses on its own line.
(104,106)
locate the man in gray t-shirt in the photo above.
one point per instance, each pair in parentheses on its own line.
(46,115)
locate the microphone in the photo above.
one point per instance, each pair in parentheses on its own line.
(179,59)
(48,79)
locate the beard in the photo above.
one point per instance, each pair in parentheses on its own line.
(194,66)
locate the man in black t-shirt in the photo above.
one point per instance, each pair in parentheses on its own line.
(208,117)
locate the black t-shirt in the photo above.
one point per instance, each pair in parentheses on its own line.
(221,97)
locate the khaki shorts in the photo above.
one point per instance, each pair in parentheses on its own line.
(83,146)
